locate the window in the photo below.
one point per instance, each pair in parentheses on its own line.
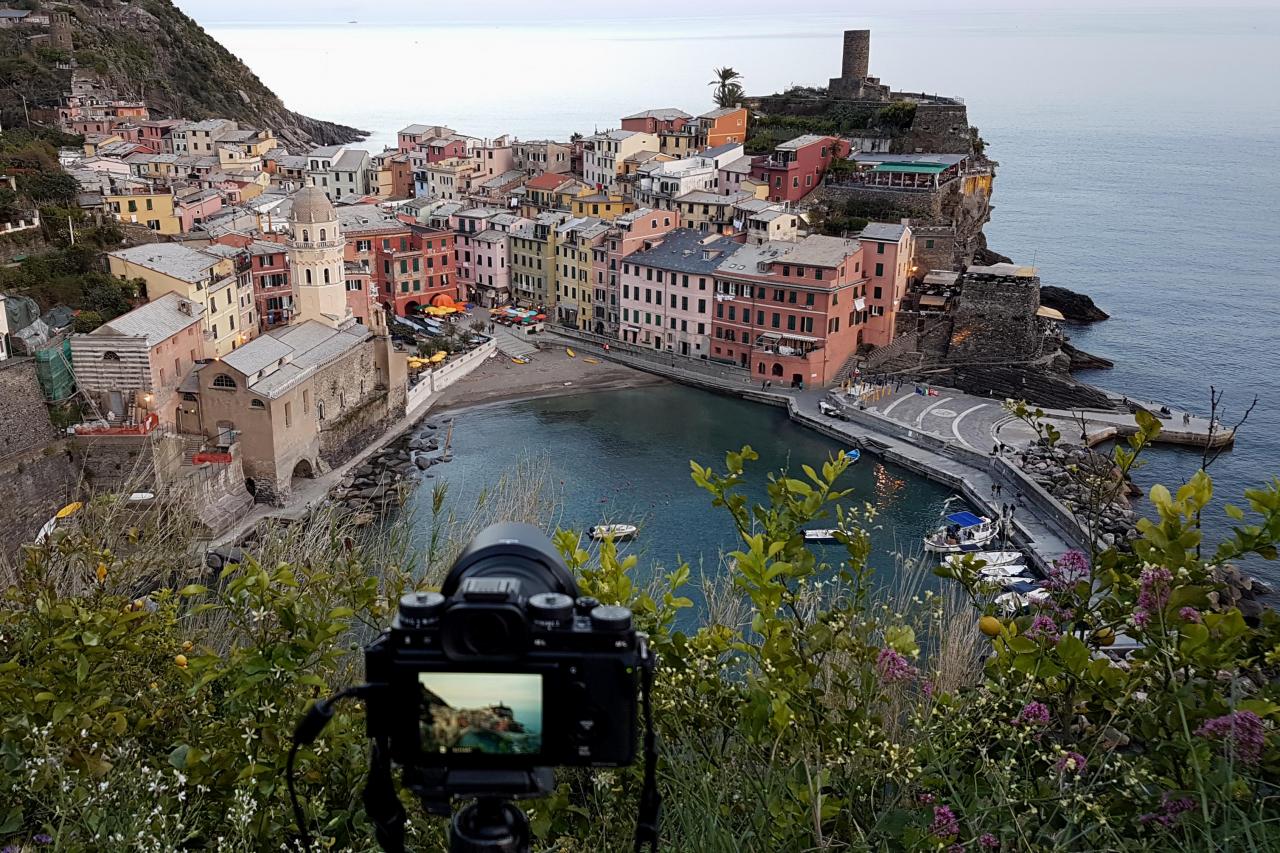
(791,322)
(876,292)
(928,244)
(307,275)
(702,306)
(110,356)
(879,269)
(288,414)
(817,274)
(306,401)
(306,236)
(322,235)
(879,248)
(326,275)
(777,320)
(222,380)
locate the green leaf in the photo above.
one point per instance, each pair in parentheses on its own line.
(1193,636)
(1022,645)
(1234,511)
(44,696)
(1074,653)
(193,589)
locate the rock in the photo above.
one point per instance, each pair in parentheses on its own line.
(1076,307)
(431,426)
(418,444)
(422,462)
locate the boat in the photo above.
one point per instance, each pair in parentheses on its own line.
(569,352)
(990,558)
(616,532)
(964,532)
(589,360)
(821,535)
(60,516)
(1015,569)
(519,360)
(853,455)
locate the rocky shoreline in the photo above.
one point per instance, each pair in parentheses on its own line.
(1075,476)
(385,479)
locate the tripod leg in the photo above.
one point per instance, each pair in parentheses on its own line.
(489,826)
(381,801)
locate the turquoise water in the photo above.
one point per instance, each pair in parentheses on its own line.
(623,456)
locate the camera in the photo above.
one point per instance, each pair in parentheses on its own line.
(479,690)
(507,667)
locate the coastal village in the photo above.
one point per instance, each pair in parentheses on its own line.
(295,309)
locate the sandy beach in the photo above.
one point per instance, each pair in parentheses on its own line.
(550,372)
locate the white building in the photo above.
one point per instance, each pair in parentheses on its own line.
(604,153)
(658,184)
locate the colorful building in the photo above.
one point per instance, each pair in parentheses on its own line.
(722,126)
(888,252)
(575,240)
(605,153)
(667,292)
(602,205)
(791,312)
(662,120)
(708,212)
(795,169)
(533,260)
(149,207)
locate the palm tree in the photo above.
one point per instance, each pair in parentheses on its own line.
(728,90)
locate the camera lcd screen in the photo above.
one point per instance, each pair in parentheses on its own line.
(484,713)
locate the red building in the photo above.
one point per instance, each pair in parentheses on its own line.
(791,312)
(407,264)
(444,148)
(267,264)
(664,120)
(795,168)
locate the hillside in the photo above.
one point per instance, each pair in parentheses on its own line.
(150,49)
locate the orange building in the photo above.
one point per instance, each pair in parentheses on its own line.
(722,126)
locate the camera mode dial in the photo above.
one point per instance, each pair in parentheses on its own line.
(550,607)
(417,609)
(608,617)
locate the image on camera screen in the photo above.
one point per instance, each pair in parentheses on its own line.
(487,713)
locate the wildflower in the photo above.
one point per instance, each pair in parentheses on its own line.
(42,838)
(1168,813)
(1141,618)
(1043,628)
(927,688)
(1189,614)
(1036,713)
(1241,730)
(1154,594)
(956,848)
(180,660)
(893,667)
(925,798)
(987,841)
(102,572)
(1071,762)
(1067,571)
(945,825)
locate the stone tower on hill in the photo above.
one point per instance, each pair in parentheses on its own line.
(854,80)
(60,31)
(316,259)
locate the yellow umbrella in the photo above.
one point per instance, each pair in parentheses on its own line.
(439,357)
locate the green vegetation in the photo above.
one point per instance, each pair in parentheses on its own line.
(786,116)
(807,709)
(729,91)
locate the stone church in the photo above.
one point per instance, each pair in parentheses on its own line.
(305,397)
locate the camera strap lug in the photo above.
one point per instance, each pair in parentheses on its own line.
(649,818)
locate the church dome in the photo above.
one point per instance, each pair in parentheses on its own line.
(311,205)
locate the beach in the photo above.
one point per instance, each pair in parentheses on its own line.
(549,373)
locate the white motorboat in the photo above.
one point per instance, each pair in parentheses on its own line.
(1014,569)
(1011,602)
(963,533)
(616,532)
(993,558)
(821,535)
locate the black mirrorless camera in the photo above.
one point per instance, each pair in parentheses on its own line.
(479,690)
(507,667)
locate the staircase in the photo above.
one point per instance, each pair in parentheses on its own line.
(512,345)
(846,370)
(191,445)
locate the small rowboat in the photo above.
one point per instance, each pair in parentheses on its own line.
(590,360)
(569,352)
(990,558)
(518,360)
(821,535)
(616,532)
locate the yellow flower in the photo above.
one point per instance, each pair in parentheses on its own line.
(155,685)
(180,660)
(102,572)
(186,646)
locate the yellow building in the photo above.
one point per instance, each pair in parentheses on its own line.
(607,206)
(575,239)
(194,275)
(534,260)
(149,207)
(706,211)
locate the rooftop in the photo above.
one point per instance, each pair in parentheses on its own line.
(818,250)
(306,348)
(548,181)
(325,151)
(944,160)
(351,160)
(704,197)
(502,180)
(155,321)
(887,232)
(720,113)
(687,251)
(365,218)
(209,124)
(802,142)
(415,129)
(719,150)
(172,259)
(740,166)
(661,114)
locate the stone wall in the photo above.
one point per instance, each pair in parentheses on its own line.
(36,485)
(995,320)
(127,462)
(939,129)
(926,205)
(24,417)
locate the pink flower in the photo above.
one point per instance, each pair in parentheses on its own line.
(1035,713)
(1168,813)
(893,667)
(1241,731)
(1043,628)
(988,841)
(1141,618)
(927,688)
(925,798)
(1189,614)
(945,825)
(1154,584)
(1071,762)
(1069,569)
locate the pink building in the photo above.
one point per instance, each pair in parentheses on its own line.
(796,167)
(663,120)
(889,258)
(631,232)
(495,158)
(194,208)
(667,292)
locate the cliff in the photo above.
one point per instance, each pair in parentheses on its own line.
(149,49)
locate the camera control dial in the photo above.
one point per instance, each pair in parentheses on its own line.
(552,607)
(417,609)
(608,617)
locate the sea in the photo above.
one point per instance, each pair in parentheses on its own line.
(1138,143)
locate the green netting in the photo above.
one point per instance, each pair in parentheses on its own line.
(53,368)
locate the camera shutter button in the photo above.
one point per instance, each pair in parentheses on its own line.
(550,607)
(608,617)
